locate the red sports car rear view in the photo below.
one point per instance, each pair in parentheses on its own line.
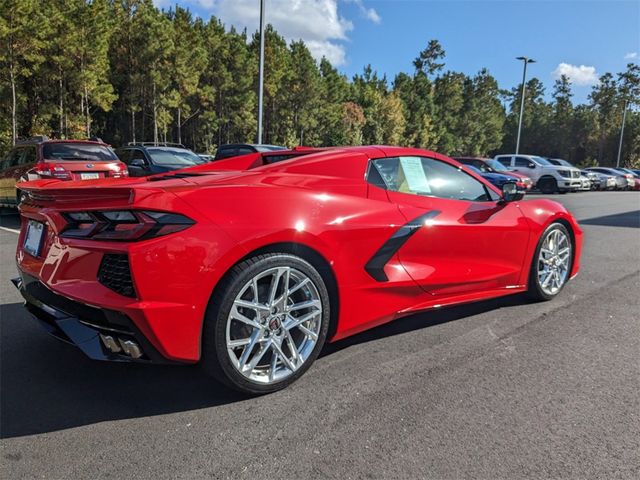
(250,265)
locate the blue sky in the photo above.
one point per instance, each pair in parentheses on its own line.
(582,38)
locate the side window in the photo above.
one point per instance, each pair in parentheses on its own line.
(522,162)
(506,161)
(244,151)
(123,155)
(13,160)
(426,176)
(137,155)
(226,153)
(29,156)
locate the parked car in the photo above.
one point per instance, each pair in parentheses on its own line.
(237,149)
(586,183)
(622,182)
(631,175)
(547,177)
(599,181)
(497,179)
(149,158)
(490,165)
(40,157)
(251,272)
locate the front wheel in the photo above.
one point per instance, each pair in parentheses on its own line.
(266,323)
(548,185)
(551,265)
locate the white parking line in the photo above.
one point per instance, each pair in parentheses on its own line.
(12,230)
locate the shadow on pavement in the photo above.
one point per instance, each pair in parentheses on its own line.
(627,219)
(46,385)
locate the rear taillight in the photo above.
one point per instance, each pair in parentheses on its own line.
(54,171)
(123,225)
(120,170)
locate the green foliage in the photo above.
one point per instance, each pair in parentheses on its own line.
(126,71)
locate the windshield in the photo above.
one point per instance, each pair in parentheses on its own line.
(564,162)
(268,148)
(496,165)
(541,161)
(78,151)
(174,157)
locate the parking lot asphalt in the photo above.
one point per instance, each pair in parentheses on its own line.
(498,389)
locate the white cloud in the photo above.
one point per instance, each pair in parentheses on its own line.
(318,22)
(369,13)
(631,56)
(579,75)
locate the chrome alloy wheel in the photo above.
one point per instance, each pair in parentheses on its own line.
(553,261)
(274,324)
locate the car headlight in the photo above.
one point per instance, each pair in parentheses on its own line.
(565,173)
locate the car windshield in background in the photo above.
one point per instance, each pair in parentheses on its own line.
(496,165)
(173,157)
(268,148)
(541,161)
(78,151)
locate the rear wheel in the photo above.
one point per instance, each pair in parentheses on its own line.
(551,264)
(266,323)
(548,185)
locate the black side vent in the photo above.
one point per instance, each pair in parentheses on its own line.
(115,274)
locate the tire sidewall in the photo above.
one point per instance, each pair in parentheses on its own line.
(220,308)
(535,290)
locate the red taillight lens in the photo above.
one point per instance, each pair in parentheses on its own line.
(53,170)
(123,225)
(120,170)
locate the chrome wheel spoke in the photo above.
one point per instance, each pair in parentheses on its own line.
(278,312)
(553,261)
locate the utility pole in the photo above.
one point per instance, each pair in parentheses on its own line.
(624,117)
(526,61)
(261,73)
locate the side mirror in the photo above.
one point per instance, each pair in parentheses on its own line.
(138,162)
(510,192)
(531,165)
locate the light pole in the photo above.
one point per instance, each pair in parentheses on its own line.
(624,117)
(526,61)
(261,72)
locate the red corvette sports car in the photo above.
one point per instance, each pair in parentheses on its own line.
(249,265)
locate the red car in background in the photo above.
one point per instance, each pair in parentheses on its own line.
(40,157)
(491,165)
(249,265)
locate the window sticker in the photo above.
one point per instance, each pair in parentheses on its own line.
(414,174)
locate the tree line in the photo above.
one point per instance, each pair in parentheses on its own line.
(126,71)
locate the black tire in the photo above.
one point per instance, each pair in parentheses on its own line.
(215,359)
(548,185)
(535,291)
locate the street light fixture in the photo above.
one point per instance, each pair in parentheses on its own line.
(525,60)
(261,72)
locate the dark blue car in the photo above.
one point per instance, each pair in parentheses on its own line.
(149,158)
(496,179)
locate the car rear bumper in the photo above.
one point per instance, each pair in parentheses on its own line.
(101,334)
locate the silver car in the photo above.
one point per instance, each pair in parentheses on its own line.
(622,183)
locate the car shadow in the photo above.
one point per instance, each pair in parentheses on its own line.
(627,219)
(47,386)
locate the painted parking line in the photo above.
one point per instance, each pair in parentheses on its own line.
(12,230)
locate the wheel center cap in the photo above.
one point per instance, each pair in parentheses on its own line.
(275,323)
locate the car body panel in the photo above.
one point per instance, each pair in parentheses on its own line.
(318,203)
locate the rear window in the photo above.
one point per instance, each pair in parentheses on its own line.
(78,151)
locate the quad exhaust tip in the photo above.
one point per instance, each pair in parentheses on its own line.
(119,345)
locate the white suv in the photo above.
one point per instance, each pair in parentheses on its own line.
(548,178)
